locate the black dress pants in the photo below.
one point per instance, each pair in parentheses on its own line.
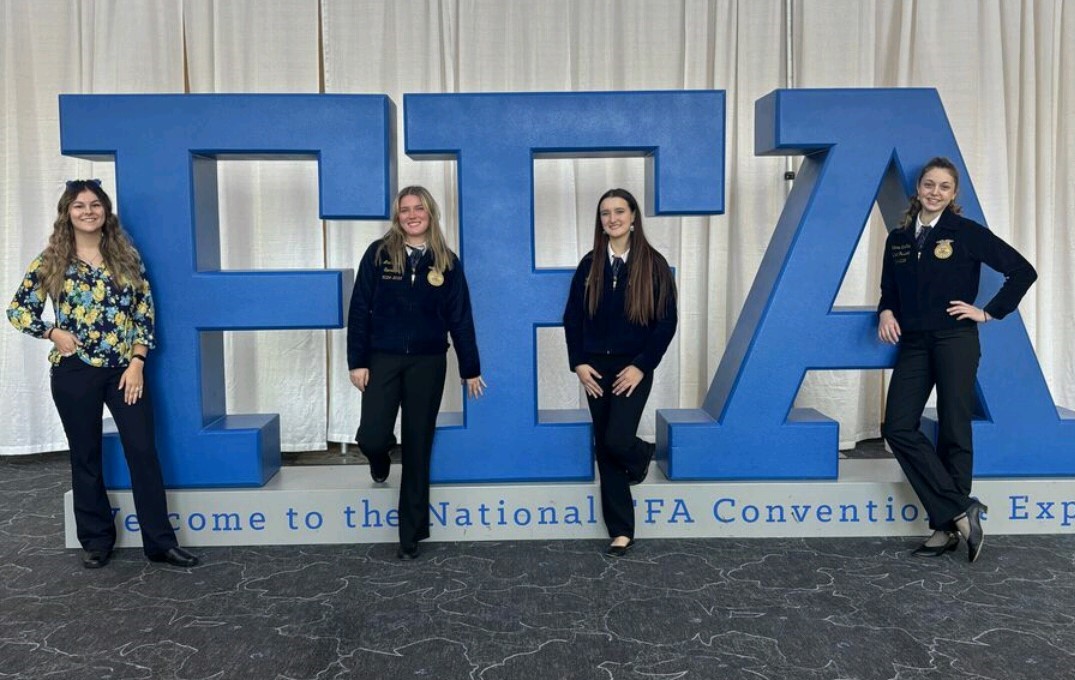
(619,452)
(80,392)
(414,382)
(941,475)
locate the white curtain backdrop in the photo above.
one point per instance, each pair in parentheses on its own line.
(48,48)
(1005,71)
(268,209)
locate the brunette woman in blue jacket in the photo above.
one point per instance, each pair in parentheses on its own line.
(619,320)
(929,282)
(410,295)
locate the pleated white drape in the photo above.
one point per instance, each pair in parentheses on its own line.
(48,48)
(1005,71)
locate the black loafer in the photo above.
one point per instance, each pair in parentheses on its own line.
(379,466)
(95,559)
(177,557)
(975,537)
(937,550)
(638,479)
(619,550)
(410,553)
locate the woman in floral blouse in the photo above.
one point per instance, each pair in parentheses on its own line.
(102,334)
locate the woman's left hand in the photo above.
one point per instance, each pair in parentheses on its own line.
(475,387)
(132,382)
(627,380)
(961,310)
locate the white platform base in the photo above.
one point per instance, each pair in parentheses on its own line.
(339,504)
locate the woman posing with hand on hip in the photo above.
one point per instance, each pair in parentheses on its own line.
(410,294)
(619,320)
(101,338)
(929,282)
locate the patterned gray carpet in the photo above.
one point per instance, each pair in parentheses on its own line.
(818,609)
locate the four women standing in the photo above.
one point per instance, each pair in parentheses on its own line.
(411,294)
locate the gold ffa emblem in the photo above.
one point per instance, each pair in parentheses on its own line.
(943,251)
(435,278)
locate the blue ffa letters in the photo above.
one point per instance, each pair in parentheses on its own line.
(860,146)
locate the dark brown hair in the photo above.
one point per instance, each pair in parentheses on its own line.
(648,271)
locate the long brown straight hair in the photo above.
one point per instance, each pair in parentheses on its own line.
(648,269)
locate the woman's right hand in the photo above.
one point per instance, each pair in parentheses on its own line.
(888,329)
(588,376)
(66,342)
(360,377)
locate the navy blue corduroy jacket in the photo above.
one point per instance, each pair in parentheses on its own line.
(918,289)
(395,313)
(610,331)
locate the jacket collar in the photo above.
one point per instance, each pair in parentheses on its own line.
(948,221)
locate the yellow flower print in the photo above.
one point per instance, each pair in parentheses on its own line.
(83,286)
(95,334)
(97,361)
(23,320)
(80,312)
(112,339)
(99,291)
(121,319)
(65,308)
(91,316)
(35,265)
(68,285)
(141,309)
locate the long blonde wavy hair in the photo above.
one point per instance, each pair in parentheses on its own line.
(394,243)
(119,255)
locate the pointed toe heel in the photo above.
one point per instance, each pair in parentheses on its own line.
(975,536)
(937,550)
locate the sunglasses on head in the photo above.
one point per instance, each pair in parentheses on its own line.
(71,183)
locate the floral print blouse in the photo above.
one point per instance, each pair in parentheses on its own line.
(108,317)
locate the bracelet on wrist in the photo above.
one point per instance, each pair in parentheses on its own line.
(48,333)
(139,357)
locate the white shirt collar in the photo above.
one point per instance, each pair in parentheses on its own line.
(919,223)
(622,257)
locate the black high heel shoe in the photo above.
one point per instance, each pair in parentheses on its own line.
(975,536)
(937,550)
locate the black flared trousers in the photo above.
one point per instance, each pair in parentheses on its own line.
(80,392)
(941,474)
(415,383)
(617,448)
